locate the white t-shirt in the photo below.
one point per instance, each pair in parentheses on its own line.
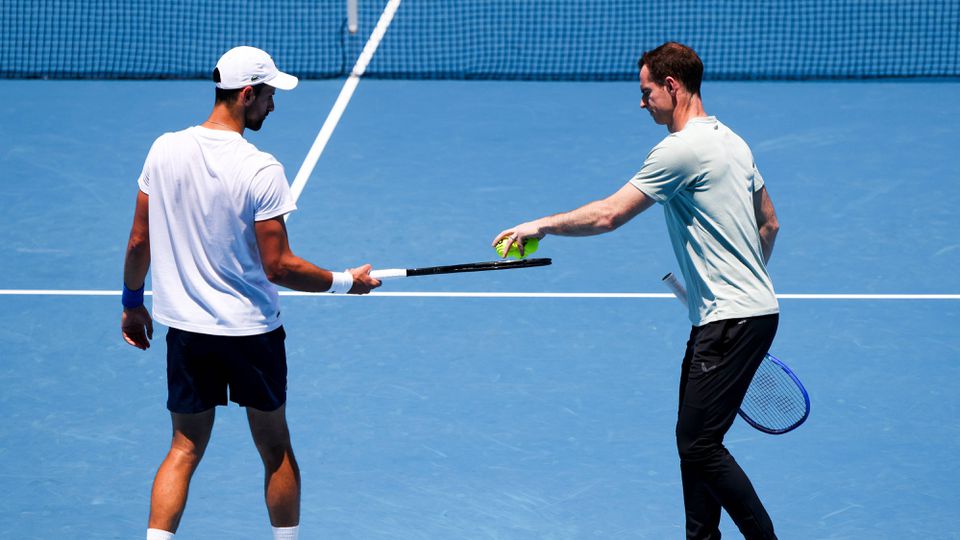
(705,177)
(207,188)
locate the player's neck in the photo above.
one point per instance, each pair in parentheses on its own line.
(688,107)
(224,119)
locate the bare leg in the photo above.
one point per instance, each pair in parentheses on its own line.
(191,433)
(281,473)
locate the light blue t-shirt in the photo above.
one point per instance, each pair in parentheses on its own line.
(705,177)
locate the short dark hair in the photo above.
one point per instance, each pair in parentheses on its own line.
(231,95)
(675,60)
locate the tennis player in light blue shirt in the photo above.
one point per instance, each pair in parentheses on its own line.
(705,177)
(722,225)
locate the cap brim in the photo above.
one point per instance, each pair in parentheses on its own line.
(283,81)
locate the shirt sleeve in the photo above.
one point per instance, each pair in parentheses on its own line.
(272,195)
(148,167)
(669,168)
(757,179)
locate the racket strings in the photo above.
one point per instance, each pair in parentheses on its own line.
(773,400)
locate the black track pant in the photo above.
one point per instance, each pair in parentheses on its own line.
(718,366)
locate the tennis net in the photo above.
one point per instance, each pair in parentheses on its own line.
(484,39)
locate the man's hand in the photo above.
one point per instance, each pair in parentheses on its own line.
(137,327)
(518,235)
(362,281)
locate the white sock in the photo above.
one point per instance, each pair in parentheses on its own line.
(286,533)
(157,534)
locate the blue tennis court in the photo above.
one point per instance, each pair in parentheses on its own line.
(470,417)
(492,405)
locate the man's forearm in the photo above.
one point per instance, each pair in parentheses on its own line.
(768,236)
(136,264)
(301,275)
(588,220)
(767,223)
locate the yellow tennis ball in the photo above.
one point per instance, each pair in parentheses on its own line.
(530,245)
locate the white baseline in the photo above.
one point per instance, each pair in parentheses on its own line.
(428,294)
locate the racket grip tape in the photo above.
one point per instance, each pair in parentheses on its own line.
(389,273)
(674,285)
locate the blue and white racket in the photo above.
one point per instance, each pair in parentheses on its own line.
(776,401)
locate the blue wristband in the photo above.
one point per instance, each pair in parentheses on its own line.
(132,299)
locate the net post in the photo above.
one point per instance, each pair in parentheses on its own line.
(352,16)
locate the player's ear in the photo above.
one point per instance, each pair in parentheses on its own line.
(673,85)
(247,96)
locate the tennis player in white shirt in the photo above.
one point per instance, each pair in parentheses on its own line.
(209,218)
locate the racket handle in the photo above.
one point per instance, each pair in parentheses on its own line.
(674,285)
(388,273)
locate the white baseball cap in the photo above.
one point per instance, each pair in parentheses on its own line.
(248,66)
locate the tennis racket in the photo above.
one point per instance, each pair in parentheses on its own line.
(458,268)
(776,401)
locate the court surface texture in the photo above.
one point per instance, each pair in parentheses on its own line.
(493,405)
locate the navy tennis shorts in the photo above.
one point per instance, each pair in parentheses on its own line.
(202,367)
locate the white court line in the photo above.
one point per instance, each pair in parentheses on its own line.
(428,294)
(300,181)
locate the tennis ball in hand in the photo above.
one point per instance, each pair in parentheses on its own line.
(530,245)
